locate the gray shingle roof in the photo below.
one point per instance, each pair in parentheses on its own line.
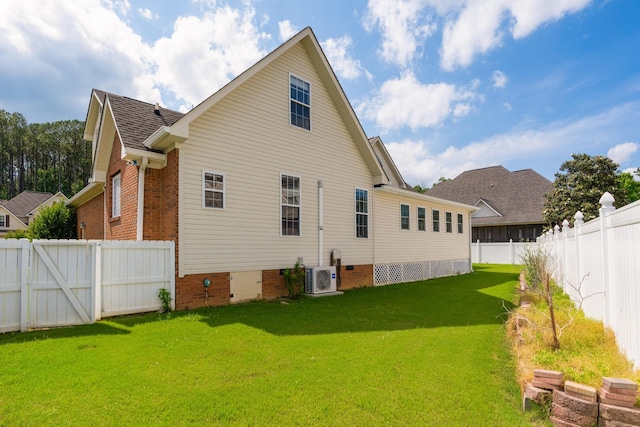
(25,202)
(517,196)
(137,120)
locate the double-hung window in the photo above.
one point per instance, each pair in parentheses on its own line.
(116,188)
(4,221)
(300,93)
(449,222)
(460,227)
(422,219)
(289,205)
(213,190)
(436,220)
(362,213)
(404,217)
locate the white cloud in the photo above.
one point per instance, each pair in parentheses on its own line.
(528,15)
(204,53)
(500,79)
(477,28)
(407,102)
(404,28)
(147,14)
(287,30)
(507,106)
(342,63)
(554,142)
(621,153)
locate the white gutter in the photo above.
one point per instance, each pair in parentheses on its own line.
(156,136)
(320,224)
(140,218)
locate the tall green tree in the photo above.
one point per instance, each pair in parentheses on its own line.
(47,157)
(578,186)
(627,181)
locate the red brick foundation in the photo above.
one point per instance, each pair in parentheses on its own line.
(361,276)
(190,291)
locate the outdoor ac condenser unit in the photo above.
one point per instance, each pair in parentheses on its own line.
(320,280)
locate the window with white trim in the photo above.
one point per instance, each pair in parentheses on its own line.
(422,219)
(449,220)
(405,219)
(362,213)
(116,188)
(435,214)
(300,94)
(4,221)
(289,205)
(213,190)
(460,224)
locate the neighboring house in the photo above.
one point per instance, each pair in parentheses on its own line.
(511,204)
(273,168)
(18,212)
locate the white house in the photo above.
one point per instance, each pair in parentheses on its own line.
(272,168)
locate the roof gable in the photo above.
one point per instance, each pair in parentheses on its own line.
(178,132)
(26,202)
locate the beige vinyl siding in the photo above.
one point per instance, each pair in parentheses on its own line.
(248,137)
(396,245)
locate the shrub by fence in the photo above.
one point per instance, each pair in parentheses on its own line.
(47,283)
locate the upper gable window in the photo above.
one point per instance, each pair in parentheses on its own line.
(212,190)
(300,93)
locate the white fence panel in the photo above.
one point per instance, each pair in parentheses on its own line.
(599,266)
(10,284)
(498,252)
(48,283)
(60,283)
(132,275)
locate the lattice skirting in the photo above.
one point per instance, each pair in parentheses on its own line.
(399,272)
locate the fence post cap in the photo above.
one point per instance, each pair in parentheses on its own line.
(607,200)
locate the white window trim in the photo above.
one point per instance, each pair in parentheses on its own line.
(310,102)
(356,213)
(418,218)
(117,178)
(409,210)
(446,223)
(439,221)
(224,190)
(282,204)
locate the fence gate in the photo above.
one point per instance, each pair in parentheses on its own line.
(47,283)
(60,284)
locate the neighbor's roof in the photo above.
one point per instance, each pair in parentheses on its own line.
(517,197)
(137,120)
(25,202)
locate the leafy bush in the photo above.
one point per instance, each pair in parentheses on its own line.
(536,265)
(17,234)
(54,222)
(294,279)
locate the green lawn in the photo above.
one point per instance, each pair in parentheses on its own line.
(425,353)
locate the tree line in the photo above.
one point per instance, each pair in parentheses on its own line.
(47,157)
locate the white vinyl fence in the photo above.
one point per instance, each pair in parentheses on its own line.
(598,263)
(499,252)
(46,283)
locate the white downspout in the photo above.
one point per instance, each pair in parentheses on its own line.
(140,218)
(320,224)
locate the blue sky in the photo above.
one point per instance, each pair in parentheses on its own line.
(449,85)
